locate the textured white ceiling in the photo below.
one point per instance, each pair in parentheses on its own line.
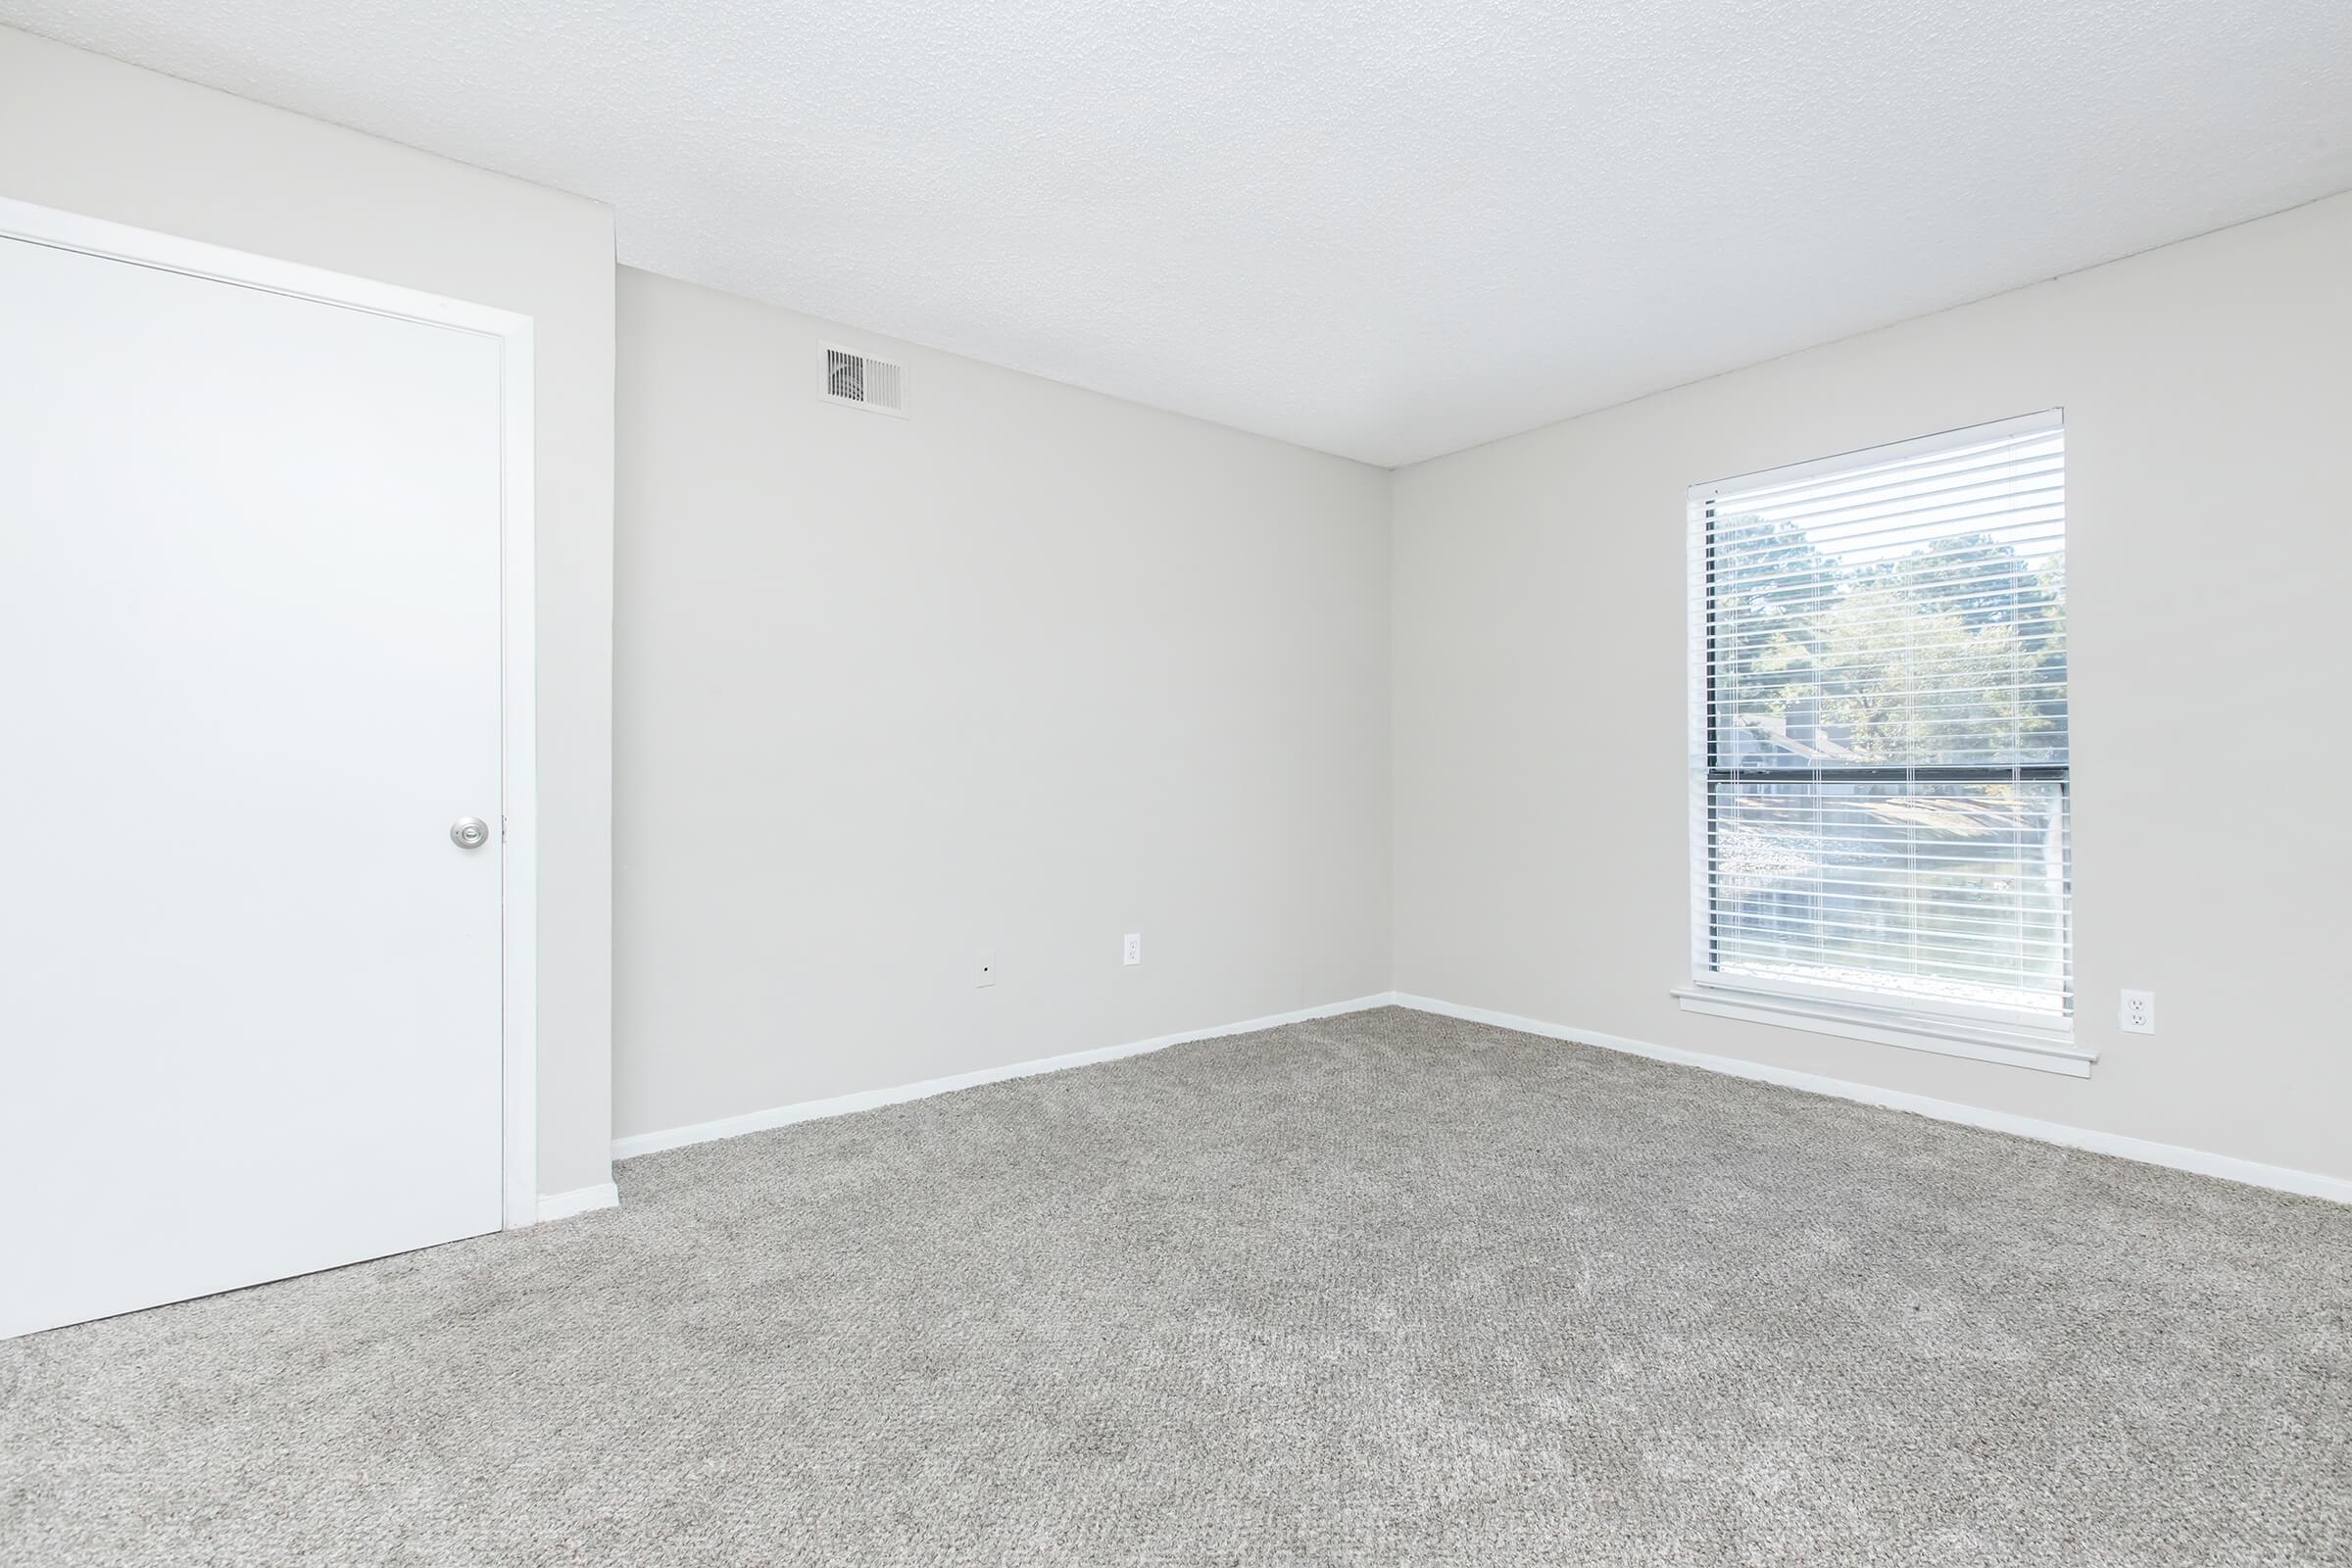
(1383,230)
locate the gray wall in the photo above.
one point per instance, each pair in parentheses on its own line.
(1022,673)
(1539,662)
(91,136)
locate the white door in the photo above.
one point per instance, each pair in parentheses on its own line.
(248,677)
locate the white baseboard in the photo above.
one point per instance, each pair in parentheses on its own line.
(580,1201)
(757,1121)
(2278,1178)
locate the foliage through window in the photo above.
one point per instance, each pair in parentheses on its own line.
(1879,736)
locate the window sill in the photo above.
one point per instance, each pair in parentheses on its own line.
(2041,1049)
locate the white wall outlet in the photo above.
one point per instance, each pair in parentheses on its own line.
(1133,952)
(986,974)
(2138,1014)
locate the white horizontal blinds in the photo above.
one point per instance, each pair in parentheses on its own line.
(1949,895)
(1881,722)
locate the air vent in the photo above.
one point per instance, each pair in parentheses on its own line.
(862,382)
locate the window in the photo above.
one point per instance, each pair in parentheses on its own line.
(1879,736)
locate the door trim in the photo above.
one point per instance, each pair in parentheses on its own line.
(518,848)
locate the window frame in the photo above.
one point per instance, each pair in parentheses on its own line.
(1956,1028)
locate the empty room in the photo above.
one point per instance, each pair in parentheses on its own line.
(1185,783)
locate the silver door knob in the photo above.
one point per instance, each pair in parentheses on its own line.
(470,832)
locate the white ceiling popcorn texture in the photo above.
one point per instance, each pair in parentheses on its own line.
(1382,229)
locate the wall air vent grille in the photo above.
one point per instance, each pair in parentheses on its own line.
(862,382)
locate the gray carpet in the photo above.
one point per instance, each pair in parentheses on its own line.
(1379,1289)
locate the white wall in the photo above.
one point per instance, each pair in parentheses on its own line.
(1022,673)
(1540,784)
(1037,667)
(92,135)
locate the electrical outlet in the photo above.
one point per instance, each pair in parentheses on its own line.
(986,974)
(2139,1013)
(1132,952)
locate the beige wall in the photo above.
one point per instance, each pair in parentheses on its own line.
(1022,673)
(1540,784)
(91,136)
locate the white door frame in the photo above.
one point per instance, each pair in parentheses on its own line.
(518,558)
